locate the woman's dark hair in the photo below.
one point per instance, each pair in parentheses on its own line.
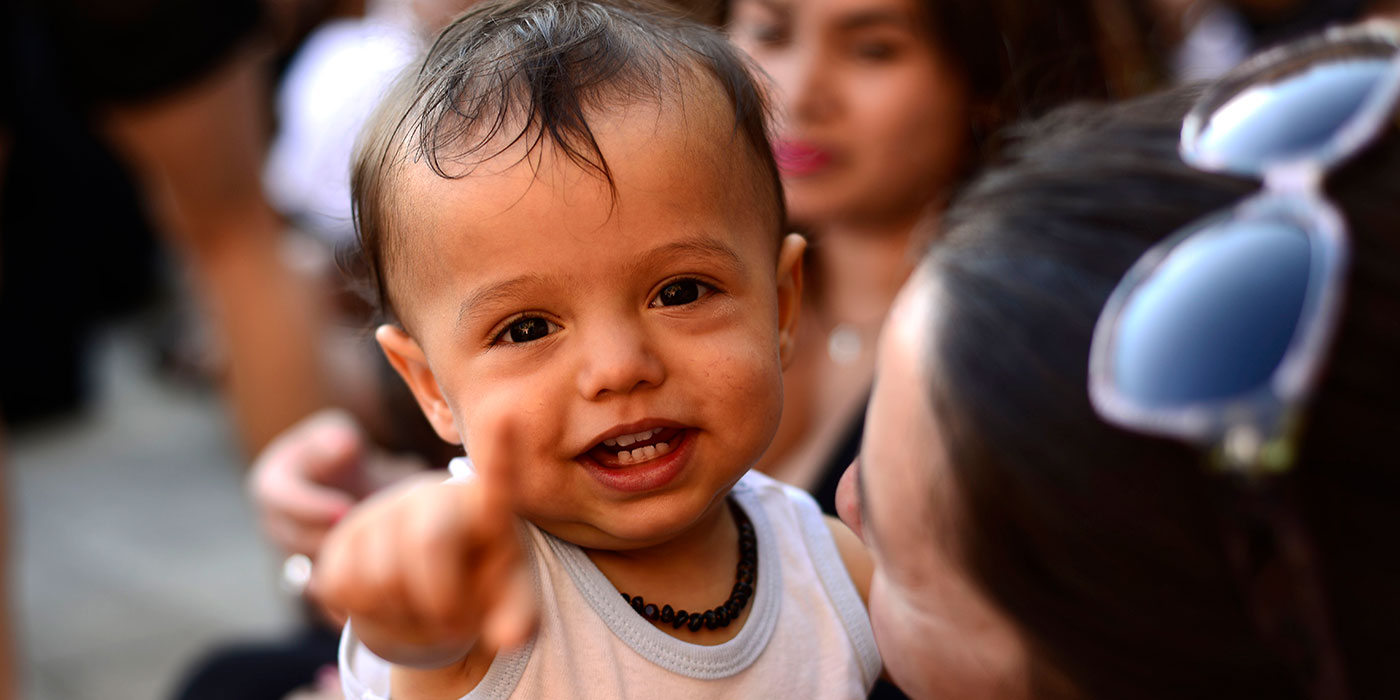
(531,72)
(1105,546)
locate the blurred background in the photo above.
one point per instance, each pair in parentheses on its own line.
(174,208)
(174,196)
(134,548)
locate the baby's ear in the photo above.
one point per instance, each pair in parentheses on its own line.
(789,293)
(408,360)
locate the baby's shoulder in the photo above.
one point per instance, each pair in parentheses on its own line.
(788,514)
(766,487)
(827,539)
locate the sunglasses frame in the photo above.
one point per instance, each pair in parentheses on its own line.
(1254,431)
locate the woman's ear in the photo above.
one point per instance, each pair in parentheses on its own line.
(409,361)
(789,293)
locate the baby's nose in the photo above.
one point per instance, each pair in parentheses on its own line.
(619,360)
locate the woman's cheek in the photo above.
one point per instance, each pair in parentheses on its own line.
(911,654)
(887,633)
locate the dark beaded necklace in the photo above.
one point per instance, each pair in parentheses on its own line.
(714,618)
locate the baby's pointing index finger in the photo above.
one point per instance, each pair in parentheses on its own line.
(494,457)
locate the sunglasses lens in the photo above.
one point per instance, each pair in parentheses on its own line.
(1214,320)
(1293,117)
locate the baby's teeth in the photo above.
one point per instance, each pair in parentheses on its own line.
(637,455)
(643,454)
(625,440)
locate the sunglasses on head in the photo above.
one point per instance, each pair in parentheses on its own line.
(1218,335)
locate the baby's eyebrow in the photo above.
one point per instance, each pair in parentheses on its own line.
(702,246)
(483,297)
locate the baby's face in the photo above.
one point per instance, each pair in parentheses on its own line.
(637,343)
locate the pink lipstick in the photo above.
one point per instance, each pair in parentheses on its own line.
(799,158)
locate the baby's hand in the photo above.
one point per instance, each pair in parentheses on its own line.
(426,569)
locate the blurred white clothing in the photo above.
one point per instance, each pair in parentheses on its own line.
(332,85)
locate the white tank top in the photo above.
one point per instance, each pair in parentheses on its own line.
(808,635)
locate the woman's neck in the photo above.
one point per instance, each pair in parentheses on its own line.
(862,269)
(859,270)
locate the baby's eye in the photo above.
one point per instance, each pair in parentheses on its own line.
(681,292)
(524,330)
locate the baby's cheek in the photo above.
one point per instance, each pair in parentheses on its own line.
(756,395)
(533,420)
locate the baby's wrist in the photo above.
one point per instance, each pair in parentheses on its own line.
(403,650)
(451,681)
(432,658)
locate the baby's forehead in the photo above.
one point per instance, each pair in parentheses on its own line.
(673,169)
(652,148)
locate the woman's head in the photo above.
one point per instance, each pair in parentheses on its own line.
(1100,551)
(883,104)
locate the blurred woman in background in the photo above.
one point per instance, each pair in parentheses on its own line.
(882,109)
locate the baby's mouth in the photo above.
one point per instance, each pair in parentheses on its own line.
(636,448)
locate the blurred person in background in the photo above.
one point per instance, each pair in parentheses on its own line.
(127,117)
(327,90)
(122,118)
(884,108)
(1034,539)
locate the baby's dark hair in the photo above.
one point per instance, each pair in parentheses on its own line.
(528,72)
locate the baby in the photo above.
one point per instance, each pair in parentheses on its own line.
(572,215)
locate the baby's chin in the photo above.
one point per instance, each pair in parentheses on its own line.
(651,522)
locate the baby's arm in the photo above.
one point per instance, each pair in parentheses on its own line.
(858,563)
(419,568)
(855,556)
(425,570)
